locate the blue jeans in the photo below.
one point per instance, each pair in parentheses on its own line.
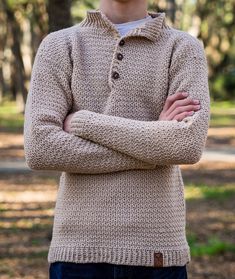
(68,270)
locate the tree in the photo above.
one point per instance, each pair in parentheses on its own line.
(59,12)
(19,70)
(171,10)
(3,36)
(168,6)
(217,31)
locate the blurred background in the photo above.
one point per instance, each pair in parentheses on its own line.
(27,198)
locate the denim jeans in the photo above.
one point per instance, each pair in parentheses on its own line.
(67,270)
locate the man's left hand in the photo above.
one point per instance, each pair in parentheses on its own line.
(67,123)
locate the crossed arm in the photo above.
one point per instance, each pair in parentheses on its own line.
(159,142)
(47,146)
(101,143)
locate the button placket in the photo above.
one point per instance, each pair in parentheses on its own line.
(118,56)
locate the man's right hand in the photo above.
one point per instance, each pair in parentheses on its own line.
(178,106)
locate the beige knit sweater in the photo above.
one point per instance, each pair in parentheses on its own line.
(121,194)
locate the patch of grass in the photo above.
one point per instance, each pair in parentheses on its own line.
(37,255)
(10,118)
(222,114)
(36,242)
(214,246)
(13,122)
(223,104)
(222,120)
(25,226)
(41,254)
(199,191)
(6,270)
(8,107)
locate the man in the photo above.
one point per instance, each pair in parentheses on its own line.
(110,111)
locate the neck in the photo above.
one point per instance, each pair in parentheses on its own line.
(120,11)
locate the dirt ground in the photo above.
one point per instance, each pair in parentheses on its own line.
(211,217)
(27,206)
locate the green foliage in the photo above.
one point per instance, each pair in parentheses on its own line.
(201,191)
(79,8)
(222,114)
(214,246)
(212,20)
(10,118)
(12,124)
(27,225)
(223,87)
(216,106)
(222,120)
(36,242)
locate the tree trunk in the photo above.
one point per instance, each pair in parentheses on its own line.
(20,77)
(171,10)
(38,26)
(59,12)
(3,37)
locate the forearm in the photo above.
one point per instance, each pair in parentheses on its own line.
(159,142)
(155,142)
(53,149)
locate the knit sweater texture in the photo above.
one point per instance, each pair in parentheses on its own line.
(120,195)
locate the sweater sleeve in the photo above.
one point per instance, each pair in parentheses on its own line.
(162,142)
(47,146)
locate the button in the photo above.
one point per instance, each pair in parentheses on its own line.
(119,56)
(121,43)
(115,75)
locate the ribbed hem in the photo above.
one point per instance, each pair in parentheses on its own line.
(120,256)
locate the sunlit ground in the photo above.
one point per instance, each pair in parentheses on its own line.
(27,206)
(26,210)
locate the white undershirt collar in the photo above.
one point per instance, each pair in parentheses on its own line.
(123,28)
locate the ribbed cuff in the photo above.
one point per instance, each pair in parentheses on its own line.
(79,121)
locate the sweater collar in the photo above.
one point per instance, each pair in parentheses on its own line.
(150,29)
